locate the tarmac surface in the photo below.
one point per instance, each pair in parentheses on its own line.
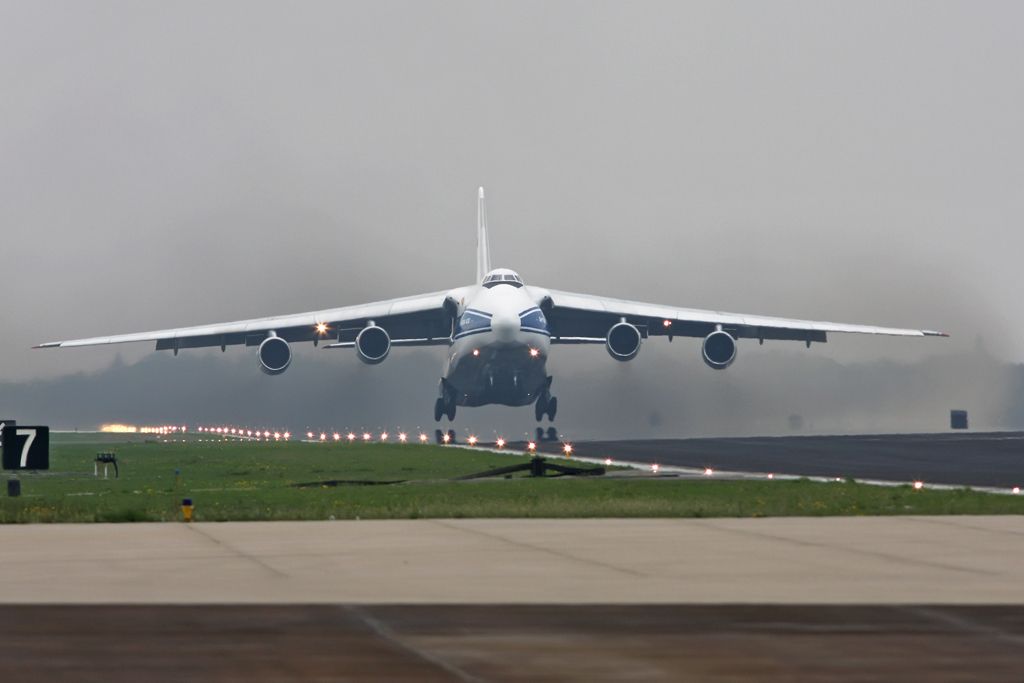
(510,643)
(970,459)
(794,560)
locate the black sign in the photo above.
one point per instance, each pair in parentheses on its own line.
(26,448)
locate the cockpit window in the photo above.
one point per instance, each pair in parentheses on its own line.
(502,277)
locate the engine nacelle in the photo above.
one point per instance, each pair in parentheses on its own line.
(275,355)
(373,344)
(623,341)
(718,350)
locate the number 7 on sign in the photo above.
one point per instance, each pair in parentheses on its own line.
(31,434)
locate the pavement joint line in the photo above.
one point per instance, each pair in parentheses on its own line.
(716,523)
(385,632)
(194,528)
(943,520)
(963,623)
(538,548)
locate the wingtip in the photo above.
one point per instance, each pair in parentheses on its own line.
(935,333)
(480,192)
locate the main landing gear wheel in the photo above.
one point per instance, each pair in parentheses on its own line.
(552,408)
(438,411)
(451,414)
(540,407)
(444,409)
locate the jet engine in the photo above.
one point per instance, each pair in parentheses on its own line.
(719,350)
(373,344)
(623,341)
(275,355)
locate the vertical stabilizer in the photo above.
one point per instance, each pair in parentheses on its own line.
(483,248)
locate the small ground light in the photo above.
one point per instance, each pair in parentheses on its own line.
(500,442)
(446,438)
(266,435)
(309,435)
(918,485)
(323,437)
(277,435)
(402,437)
(771,476)
(351,436)
(471,440)
(366,436)
(655,467)
(567,449)
(607,461)
(383,436)
(287,435)
(1015,490)
(531,446)
(423,438)
(337,436)
(708,471)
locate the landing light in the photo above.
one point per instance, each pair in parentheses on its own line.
(476,352)
(321,328)
(666,323)
(534,353)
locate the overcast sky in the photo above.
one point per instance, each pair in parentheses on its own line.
(166,164)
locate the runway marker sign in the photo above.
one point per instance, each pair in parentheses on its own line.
(25,448)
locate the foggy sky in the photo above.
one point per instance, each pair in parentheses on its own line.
(167,164)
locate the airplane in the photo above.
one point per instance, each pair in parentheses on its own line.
(498,331)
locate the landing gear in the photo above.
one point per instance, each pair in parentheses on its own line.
(444,406)
(546,405)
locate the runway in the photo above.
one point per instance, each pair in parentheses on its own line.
(962,459)
(793,560)
(813,599)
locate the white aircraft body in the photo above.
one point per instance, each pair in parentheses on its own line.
(499,332)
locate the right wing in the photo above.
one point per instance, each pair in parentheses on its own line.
(422,319)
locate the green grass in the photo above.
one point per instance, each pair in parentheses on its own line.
(254,481)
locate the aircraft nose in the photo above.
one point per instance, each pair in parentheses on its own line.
(505,326)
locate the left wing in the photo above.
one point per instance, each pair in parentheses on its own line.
(583,318)
(422,319)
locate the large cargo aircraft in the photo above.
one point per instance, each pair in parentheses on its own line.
(498,332)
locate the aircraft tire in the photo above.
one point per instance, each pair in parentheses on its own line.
(438,410)
(540,407)
(451,412)
(552,408)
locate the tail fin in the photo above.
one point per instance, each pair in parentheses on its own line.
(483,248)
